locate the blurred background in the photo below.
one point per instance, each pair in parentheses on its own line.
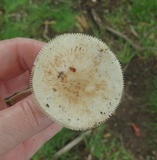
(129,27)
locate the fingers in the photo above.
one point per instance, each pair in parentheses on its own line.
(30,146)
(14,85)
(35,142)
(20,122)
(17,55)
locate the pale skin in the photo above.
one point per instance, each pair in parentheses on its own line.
(23,127)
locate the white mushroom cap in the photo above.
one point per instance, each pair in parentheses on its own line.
(77,81)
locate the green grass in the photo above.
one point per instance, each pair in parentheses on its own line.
(144,12)
(141,16)
(106,148)
(96,144)
(23,18)
(61,15)
(126,55)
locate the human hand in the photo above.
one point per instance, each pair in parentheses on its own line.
(23,128)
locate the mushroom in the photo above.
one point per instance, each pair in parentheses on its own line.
(77,81)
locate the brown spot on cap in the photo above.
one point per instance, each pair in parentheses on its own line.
(72,69)
(101,50)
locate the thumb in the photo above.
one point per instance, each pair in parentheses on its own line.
(20,122)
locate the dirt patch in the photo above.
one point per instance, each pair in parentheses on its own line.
(134,110)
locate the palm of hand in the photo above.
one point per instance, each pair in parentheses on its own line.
(23,128)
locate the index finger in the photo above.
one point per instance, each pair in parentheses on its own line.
(17,55)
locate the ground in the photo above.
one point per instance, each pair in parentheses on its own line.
(134,109)
(129,29)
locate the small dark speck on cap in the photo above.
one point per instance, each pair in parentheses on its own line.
(101,50)
(54,89)
(61,74)
(47,105)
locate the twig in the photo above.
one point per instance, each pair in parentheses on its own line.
(99,23)
(96,18)
(70,145)
(90,155)
(45,32)
(121,140)
(119,34)
(18,97)
(137,47)
(83,22)
(133,31)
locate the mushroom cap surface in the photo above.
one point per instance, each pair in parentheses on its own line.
(77,81)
